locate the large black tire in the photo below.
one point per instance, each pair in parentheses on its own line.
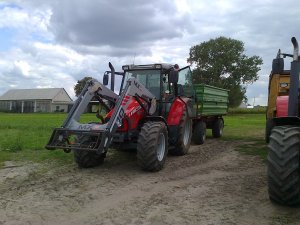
(87,159)
(184,138)
(217,129)
(152,146)
(284,165)
(199,133)
(269,126)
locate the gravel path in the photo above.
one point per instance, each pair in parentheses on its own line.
(213,184)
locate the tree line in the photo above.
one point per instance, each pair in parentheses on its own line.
(219,62)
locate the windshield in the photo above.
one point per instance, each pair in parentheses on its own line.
(149,78)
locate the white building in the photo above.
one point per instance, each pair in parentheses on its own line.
(35,100)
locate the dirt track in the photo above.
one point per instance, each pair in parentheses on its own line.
(213,184)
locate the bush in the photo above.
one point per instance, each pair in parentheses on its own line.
(257,110)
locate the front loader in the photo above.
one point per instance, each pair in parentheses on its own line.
(283,130)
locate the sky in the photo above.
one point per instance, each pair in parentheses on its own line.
(53,44)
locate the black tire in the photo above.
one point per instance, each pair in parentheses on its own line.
(284,165)
(87,159)
(152,146)
(217,129)
(199,133)
(184,138)
(269,126)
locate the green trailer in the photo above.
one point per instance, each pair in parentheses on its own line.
(210,100)
(210,104)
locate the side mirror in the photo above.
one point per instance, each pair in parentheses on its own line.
(105,79)
(277,66)
(173,76)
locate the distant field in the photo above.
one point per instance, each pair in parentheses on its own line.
(23,136)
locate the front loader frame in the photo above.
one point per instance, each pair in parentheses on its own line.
(72,134)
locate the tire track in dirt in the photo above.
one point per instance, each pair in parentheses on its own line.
(213,184)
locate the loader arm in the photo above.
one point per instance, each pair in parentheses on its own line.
(72,134)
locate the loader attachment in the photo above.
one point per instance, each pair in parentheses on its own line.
(94,136)
(68,140)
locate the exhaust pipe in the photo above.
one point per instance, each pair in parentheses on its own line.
(112,82)
(296,48)
(294,81)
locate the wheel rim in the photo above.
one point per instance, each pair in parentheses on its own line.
(187,132)
(221,128)
(161,147)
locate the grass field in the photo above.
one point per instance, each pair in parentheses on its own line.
(23,136)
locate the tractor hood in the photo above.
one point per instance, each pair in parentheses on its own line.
(133,114)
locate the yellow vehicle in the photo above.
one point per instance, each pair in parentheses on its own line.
(279,85)
(283,130)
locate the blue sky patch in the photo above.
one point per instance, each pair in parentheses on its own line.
(6,38)
(9,5)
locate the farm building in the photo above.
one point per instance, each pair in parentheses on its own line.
(35,100)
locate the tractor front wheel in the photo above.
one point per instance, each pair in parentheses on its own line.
(284,165)
(87,159)
(152,146)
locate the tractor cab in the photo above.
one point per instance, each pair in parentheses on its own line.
(164,81)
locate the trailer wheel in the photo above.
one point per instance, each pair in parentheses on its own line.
(183,142)
(269,127)
(199,133)
(284,165)
(152,146)
(217,129)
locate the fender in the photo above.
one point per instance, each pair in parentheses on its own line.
(282,106)
(176,111)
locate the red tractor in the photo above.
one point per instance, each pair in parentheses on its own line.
(155,111)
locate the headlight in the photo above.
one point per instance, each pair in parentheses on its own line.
(283,85)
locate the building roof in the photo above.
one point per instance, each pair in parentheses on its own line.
(58,94)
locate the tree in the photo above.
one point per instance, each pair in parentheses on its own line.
(222,62)
(80,85)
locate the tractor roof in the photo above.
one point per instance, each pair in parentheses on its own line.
(163,66)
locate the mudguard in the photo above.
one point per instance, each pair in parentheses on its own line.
(176,110)
(282,106)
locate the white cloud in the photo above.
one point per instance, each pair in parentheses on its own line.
(55,43)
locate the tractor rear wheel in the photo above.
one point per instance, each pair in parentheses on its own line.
(152,146)
(284,165)
(217,129)
(199,133)
(183,142)
(87,159)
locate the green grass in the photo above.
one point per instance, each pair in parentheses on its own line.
(24,136)
(248,128)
